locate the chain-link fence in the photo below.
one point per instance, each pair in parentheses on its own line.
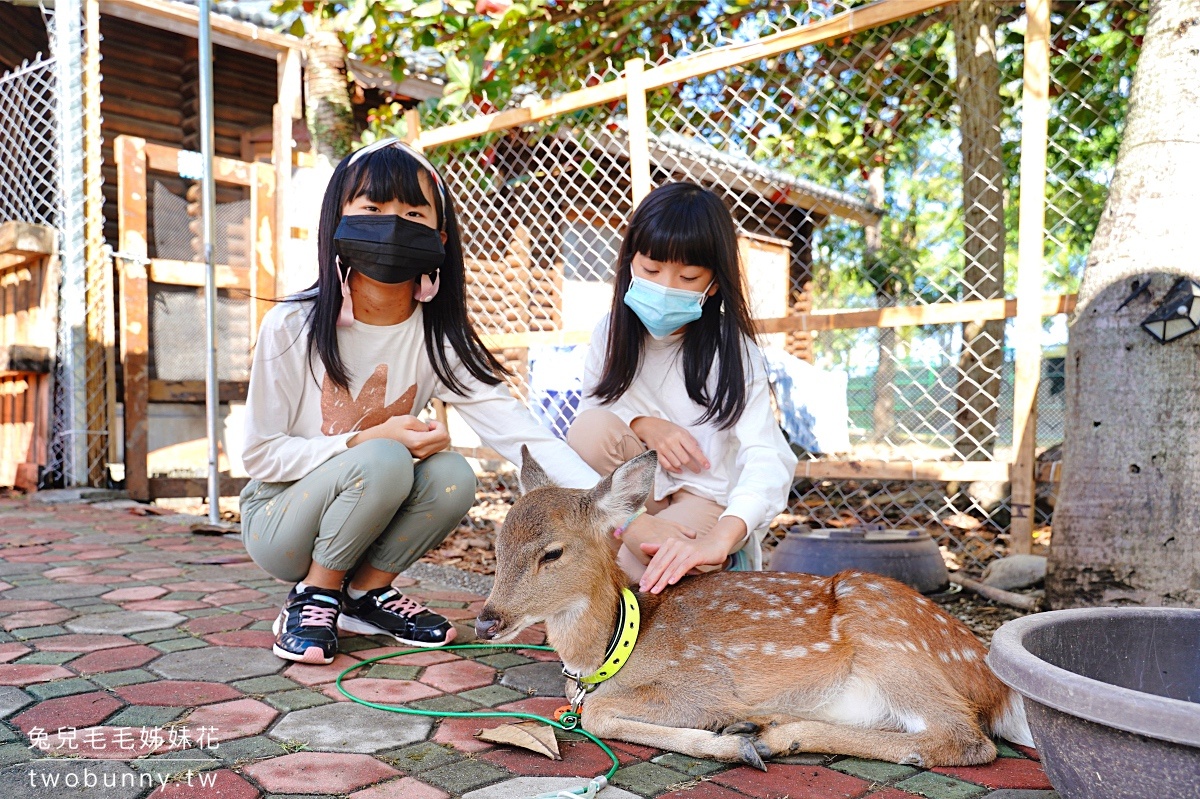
(874,179)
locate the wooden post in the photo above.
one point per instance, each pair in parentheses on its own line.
(639,132)
(1030,253)
(412,127)
(262,272)
(287,110)
(130,155)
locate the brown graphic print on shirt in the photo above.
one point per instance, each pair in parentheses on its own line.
(341,413)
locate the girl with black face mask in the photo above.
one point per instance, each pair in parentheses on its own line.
(349,487)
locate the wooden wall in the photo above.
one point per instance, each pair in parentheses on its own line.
(22,35)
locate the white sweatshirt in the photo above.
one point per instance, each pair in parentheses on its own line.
(295,421)
(752,466)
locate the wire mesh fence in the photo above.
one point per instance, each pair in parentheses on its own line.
(877,170)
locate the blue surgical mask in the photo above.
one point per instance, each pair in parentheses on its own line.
(664,310)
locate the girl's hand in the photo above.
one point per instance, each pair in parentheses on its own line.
(674,558)
(676,447)
(647,529)
(422,438)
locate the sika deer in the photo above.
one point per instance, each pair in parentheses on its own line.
(744,666)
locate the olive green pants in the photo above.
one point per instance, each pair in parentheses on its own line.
(371,503)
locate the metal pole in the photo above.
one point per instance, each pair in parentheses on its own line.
(212,396)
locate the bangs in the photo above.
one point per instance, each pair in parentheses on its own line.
(389,174)
(681,231)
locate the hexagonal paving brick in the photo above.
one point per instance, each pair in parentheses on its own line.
(316,675)
(538,679)
(386,692)
(522,787)
(82,643)
(237,719)
(220,623)
(780,780)
(12,651)
(350,727)
(134,594)
(223,663)
(54,591)
(12,700)
(108,660)
(222,784)
(54,779)
(458,675)
(1003,773)
(405,787)
(36,618)
(176,694)
(81,710)
(28,674)
(252,639)
(319,772)
(124,622)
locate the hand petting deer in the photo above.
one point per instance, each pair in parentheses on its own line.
(740,666)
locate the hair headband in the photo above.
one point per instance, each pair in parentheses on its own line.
(392,141)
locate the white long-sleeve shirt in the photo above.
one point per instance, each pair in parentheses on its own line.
(296,418)
(752,466)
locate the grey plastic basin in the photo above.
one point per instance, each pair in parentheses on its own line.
(1113,698)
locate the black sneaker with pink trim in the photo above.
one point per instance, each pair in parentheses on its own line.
(385,611)
(306,629)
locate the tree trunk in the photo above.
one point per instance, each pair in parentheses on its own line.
(1126,528)
(978,89)
(883,415)
(330,117)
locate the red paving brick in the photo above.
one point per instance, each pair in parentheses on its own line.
(82,642)
(12,651)
(428,658)
(459,675)
(319,772)
(235,719)
(793,782)
(157,573)
(81,710)
(36,618)
(708,790)
(225,622)
(69,571)
(578,757)
(261,639)
(223,784)
(125,657)
(29,673)
(306,674)
(205,586)
(172,605)
(177,693)
(1004,772)
(222,598)
(387,692)
(460,733)
(19,605)
(403,788)
(133,594)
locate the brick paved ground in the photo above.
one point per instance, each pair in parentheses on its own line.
(153,643)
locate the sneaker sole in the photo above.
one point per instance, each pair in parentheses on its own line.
(352,625)
(312,655)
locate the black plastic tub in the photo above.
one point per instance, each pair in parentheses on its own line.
(1113,698)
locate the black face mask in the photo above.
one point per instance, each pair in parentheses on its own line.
(388,248)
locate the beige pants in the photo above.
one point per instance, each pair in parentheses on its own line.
(605,442)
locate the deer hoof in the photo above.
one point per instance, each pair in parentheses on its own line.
(913,759)
(748,754)
(741,728)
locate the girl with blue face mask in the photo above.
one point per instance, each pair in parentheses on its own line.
(674,367)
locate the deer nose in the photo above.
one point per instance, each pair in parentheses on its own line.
(487,624)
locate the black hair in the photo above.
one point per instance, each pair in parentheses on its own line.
(394,174)
(685,223)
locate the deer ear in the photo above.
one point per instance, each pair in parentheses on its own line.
(619,495)
(532,475)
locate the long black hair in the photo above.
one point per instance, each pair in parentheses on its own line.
(685,223)
(392,173)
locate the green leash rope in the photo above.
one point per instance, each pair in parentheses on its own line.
(492,714)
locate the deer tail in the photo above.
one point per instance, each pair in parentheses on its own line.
(1009,722)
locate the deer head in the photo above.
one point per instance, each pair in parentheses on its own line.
(553,553)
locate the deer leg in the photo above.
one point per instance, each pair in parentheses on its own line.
(944,745)
(606,723)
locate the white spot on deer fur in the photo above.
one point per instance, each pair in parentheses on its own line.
(913,723)
(737,650)
(768,648)
(941,619)
(732,607)
(925,645)
(673,663)
(942,656)
(875,586)
(910,646)
(774,614)
(799,621)
(822,647)
(843,590)
(794,652)
(813,609)
(969,655)
(898,620)
(755,616)
(833,628)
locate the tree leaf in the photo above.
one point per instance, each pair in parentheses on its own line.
(531,735)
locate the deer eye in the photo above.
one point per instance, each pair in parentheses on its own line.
(551,555)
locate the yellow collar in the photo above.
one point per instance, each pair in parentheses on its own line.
(629,622)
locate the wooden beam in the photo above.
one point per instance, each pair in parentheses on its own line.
(185,20)
(262,273)
(845,24)
(1027,369)
(178,487)
(25,358)
(194,391)
(21,242)
(225,170)
(933,471)
(287,109)
(130,155)
(191,273)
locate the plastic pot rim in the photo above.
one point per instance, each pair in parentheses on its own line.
(1177,721)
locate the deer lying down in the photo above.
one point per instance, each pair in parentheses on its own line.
(743,666)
